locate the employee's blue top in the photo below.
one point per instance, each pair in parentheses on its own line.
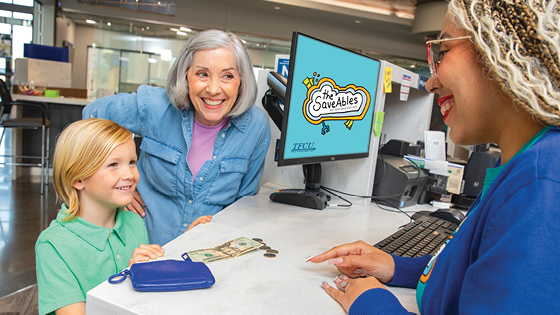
(173,200)
(504,257)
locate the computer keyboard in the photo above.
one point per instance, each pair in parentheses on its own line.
(422,236)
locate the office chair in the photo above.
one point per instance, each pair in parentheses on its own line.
(43,123)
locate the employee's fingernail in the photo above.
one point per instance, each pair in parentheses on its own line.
(308,258)
(364,274)
(325,284)
(359,271)
(336,261)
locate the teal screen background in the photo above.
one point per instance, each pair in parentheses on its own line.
(344,67)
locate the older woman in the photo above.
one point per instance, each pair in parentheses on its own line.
(496,70)
(203,141)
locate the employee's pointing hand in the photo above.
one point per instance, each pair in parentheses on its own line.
(359,259)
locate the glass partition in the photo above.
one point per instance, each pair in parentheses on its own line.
(113,71)
(102,71)
(135,70)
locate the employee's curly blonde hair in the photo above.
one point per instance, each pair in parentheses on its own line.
(80,151)
(518,43)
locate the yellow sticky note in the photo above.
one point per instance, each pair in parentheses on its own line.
(387,80)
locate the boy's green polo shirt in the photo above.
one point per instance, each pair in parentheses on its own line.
(75,256)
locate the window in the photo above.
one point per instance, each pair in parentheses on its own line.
(25,3)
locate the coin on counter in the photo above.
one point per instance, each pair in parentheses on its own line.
(264,247)
(272,251)
(269,255)
(257,239)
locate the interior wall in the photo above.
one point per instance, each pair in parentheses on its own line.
(49,16)
(65,31)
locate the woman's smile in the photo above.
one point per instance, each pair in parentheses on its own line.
(446,103)
(212,103)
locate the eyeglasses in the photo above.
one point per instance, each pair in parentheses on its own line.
(435,56)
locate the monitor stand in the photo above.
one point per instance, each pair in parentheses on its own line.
(310,197)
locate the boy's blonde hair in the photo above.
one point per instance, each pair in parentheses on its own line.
(80,151)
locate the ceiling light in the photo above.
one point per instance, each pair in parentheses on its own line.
(174,29)
(277,8)
(166,55)
(108,23)
(357,21)
(181,33)
(88,21)
(152,60)
(185,29)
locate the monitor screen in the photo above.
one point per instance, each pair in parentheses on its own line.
(330,100)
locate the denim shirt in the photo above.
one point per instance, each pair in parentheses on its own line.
(173,200)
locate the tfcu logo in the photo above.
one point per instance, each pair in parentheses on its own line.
(303,147)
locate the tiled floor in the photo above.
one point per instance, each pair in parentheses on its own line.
(24,213)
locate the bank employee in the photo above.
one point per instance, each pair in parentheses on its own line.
(203,141)
(496,71)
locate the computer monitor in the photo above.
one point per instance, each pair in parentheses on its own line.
(329,103)
(328,106)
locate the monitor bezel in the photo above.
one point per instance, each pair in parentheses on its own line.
(281,144)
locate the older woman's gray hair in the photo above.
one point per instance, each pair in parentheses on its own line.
(177,86)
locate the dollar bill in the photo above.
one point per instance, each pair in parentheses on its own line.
(227,250)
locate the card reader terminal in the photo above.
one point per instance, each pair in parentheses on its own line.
(301,198)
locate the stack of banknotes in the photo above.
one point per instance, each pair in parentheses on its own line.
(227,250)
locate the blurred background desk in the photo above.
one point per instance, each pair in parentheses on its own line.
(252,283)
(55,101)
(63,111)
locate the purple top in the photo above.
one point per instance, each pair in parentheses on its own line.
(202,146)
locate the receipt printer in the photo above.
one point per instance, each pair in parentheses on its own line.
(398,182)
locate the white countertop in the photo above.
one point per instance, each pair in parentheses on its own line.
(252,283)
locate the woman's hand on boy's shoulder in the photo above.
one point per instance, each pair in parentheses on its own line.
(145,253)
(137,204)
(201,220)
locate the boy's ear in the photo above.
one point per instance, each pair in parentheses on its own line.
(78,185)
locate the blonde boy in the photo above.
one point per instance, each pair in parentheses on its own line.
(92,238)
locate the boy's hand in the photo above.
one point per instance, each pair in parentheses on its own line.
(200,220)
(145,253)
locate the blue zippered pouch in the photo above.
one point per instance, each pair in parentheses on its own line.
(167,275)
